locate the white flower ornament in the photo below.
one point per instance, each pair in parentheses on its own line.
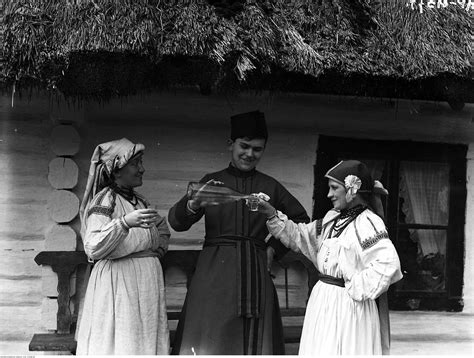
(352,184)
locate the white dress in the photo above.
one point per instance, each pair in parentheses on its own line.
(343,320)
(124,310)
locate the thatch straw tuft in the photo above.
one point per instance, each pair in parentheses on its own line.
(118,47)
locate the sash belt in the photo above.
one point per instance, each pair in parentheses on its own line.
(249,276)
(331,280)
(144,253)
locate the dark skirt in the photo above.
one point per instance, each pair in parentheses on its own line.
(209,322)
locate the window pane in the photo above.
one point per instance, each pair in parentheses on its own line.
(424,193)
(422,257)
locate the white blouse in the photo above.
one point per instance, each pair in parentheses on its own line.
(362,254)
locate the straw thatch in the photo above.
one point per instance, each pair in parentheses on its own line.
(102,48)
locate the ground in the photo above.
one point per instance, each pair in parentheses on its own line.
(432,333)
(413,333)
(427,333)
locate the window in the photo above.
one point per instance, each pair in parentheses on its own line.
(424,212)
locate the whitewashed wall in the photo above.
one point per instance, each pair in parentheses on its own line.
(24,190)
(468,292)
(185,134)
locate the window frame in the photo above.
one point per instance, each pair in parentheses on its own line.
(331,148)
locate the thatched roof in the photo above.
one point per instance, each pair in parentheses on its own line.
(102,48)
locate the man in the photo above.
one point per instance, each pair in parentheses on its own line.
(231,306)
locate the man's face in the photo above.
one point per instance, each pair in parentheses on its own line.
(337,195)
(246,153)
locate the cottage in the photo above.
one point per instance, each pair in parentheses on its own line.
(381,82)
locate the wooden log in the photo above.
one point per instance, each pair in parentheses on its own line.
(65,140)
(21,292)
(60,238)
(63,206)
(18,265)
(63,173)
(19,322)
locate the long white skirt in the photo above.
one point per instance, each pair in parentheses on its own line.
(335,324)
(124,311)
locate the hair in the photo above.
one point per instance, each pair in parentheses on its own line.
(251,138)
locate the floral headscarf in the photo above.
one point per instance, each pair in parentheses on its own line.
(356,178)
(107,157)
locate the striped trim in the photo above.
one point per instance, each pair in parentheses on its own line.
(250,297)
(358,235)
(368,243)
(331,177)
(124,224)
(336,180)
(319,226)
(252,344)
(101,196)
(373,225)
(105,210)
(101,210)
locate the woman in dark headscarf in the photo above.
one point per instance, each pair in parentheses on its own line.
(124,308)
(356,260)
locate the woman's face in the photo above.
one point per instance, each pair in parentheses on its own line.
(337,195)
(130,176)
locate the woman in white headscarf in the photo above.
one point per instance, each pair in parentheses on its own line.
(124,310)
(356,261)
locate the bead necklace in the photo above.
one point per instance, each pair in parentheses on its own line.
(345,218)
(127,193)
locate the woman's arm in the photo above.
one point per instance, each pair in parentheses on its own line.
(299,237)
(103,235)
(378,259)
(287,203)
(104,231)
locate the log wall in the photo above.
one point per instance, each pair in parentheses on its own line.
(185,135)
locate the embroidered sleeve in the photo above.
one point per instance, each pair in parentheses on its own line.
(319,226)
(374,232)
(103,233)
(374,265)
(103,204)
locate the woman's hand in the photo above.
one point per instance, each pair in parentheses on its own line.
(144,218)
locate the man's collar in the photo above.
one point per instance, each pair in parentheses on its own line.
(239,173)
